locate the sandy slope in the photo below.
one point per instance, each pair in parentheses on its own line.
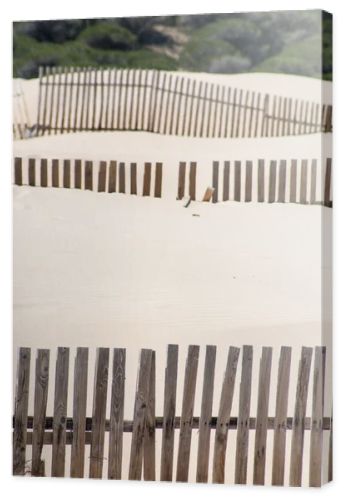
(113,270)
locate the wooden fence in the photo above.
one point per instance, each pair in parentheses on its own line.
(294,181)
(76,99)
(21,121)
(78,431)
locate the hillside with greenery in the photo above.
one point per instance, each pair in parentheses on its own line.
(280,42)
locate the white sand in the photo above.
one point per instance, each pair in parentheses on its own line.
(113,270)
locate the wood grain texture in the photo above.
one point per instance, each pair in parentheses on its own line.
(262,416)
(99,413)
(149,434)
(115,452)
(316,442)
(60,412)
(223,419)
(167,448)
(281,421)
(18,172)
(40,405)
(205,416)
(297,448)
(242,437)
(140,414)
(79,412)
(187,414)
(21,412)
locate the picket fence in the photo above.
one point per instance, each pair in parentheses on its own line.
(79,431)
(294,181)
(81,99)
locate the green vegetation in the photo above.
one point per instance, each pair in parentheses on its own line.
(285,42)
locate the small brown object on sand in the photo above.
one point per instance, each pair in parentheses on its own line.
(208,194)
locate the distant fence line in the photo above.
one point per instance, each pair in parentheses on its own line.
(82,99)
(293,181)
(79,431)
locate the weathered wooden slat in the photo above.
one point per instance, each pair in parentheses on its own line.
(55,173)
(265,117)
(94,99)
(297,448)
(316,443)
(82,125)
(187,414)
(226,181)
(102,177)
(313,182)
(153,101)
(192,180)
(293,176)
(327,183)
(140,414)
(112,177)
(203,111)
(63,113)
(113,100)
(215,112)
(39,130)
(79,412)
(88,175)
(45,99)
(303,182)
(70,88)
(179,106)
(281,420)
(18,172)
(147,180)
(238,109)
(99,413)
(115,452)
(40,405)
(331,456)
(190,120)
(261,181)
(197,111)
(181,179)
(60,412)
(51,104)
(32,171)
(78,174)
(282,181)
(77,96)
(66,174)
(167,447)
(248,188)
(205,416)
(272,182)
(121,177)
(149,434)
(215,180)
(21,411)
(237,181)
(244,117)
(43,172)
(133,178)
(223,419)
(242,436)
(209,114)
(158,179)
(262,415)
(173,102)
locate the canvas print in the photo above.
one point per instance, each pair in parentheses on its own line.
(172,214)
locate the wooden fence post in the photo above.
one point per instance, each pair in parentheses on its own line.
(60,409)
(147,180)
(327,183)
(223,419)
(32,172)
(66,174)
(140,413)
(262,416)
(303,182)
(79,412)
(293,176)
(261,181)
(192,180)
(88,175)
(280,424)
(55,173)
(158,179)
(44,173)
(167,448)
(299,417)
(40,404)
(133,178)
(112,178)
(316,443)
(102,177)
(237,181)
(272,182)
(78,174)
(187,414)
(215,180)
(149,433)
(243,418)
(21,412)
(313,182)
(115,451)
(99,413)
(282,182)
(18,172)
(248,188)
(181,179)
(205,416)
(226,181)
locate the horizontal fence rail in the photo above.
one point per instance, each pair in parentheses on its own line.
(285,181)
(90,99)
(108,423)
